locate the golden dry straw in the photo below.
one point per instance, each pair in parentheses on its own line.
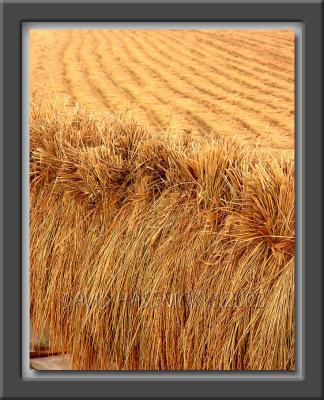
(159,251)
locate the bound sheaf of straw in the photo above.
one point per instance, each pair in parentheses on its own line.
(158,251)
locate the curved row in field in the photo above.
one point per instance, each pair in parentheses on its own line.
(231,83)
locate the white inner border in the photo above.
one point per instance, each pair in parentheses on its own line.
(29,374)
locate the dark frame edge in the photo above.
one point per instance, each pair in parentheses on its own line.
(1,198)
(312,3)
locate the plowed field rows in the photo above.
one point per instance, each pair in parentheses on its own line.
(229,82)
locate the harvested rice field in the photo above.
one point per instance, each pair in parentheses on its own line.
(227,82)
(162,202)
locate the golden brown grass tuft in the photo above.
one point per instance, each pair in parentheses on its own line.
(159,252)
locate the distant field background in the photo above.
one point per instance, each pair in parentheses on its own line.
(231,83)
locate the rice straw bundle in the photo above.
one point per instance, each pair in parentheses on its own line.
(159,252)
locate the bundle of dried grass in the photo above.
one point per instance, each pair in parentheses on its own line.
(159,252)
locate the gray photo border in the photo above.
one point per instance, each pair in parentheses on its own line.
(307,383)
(28,373)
